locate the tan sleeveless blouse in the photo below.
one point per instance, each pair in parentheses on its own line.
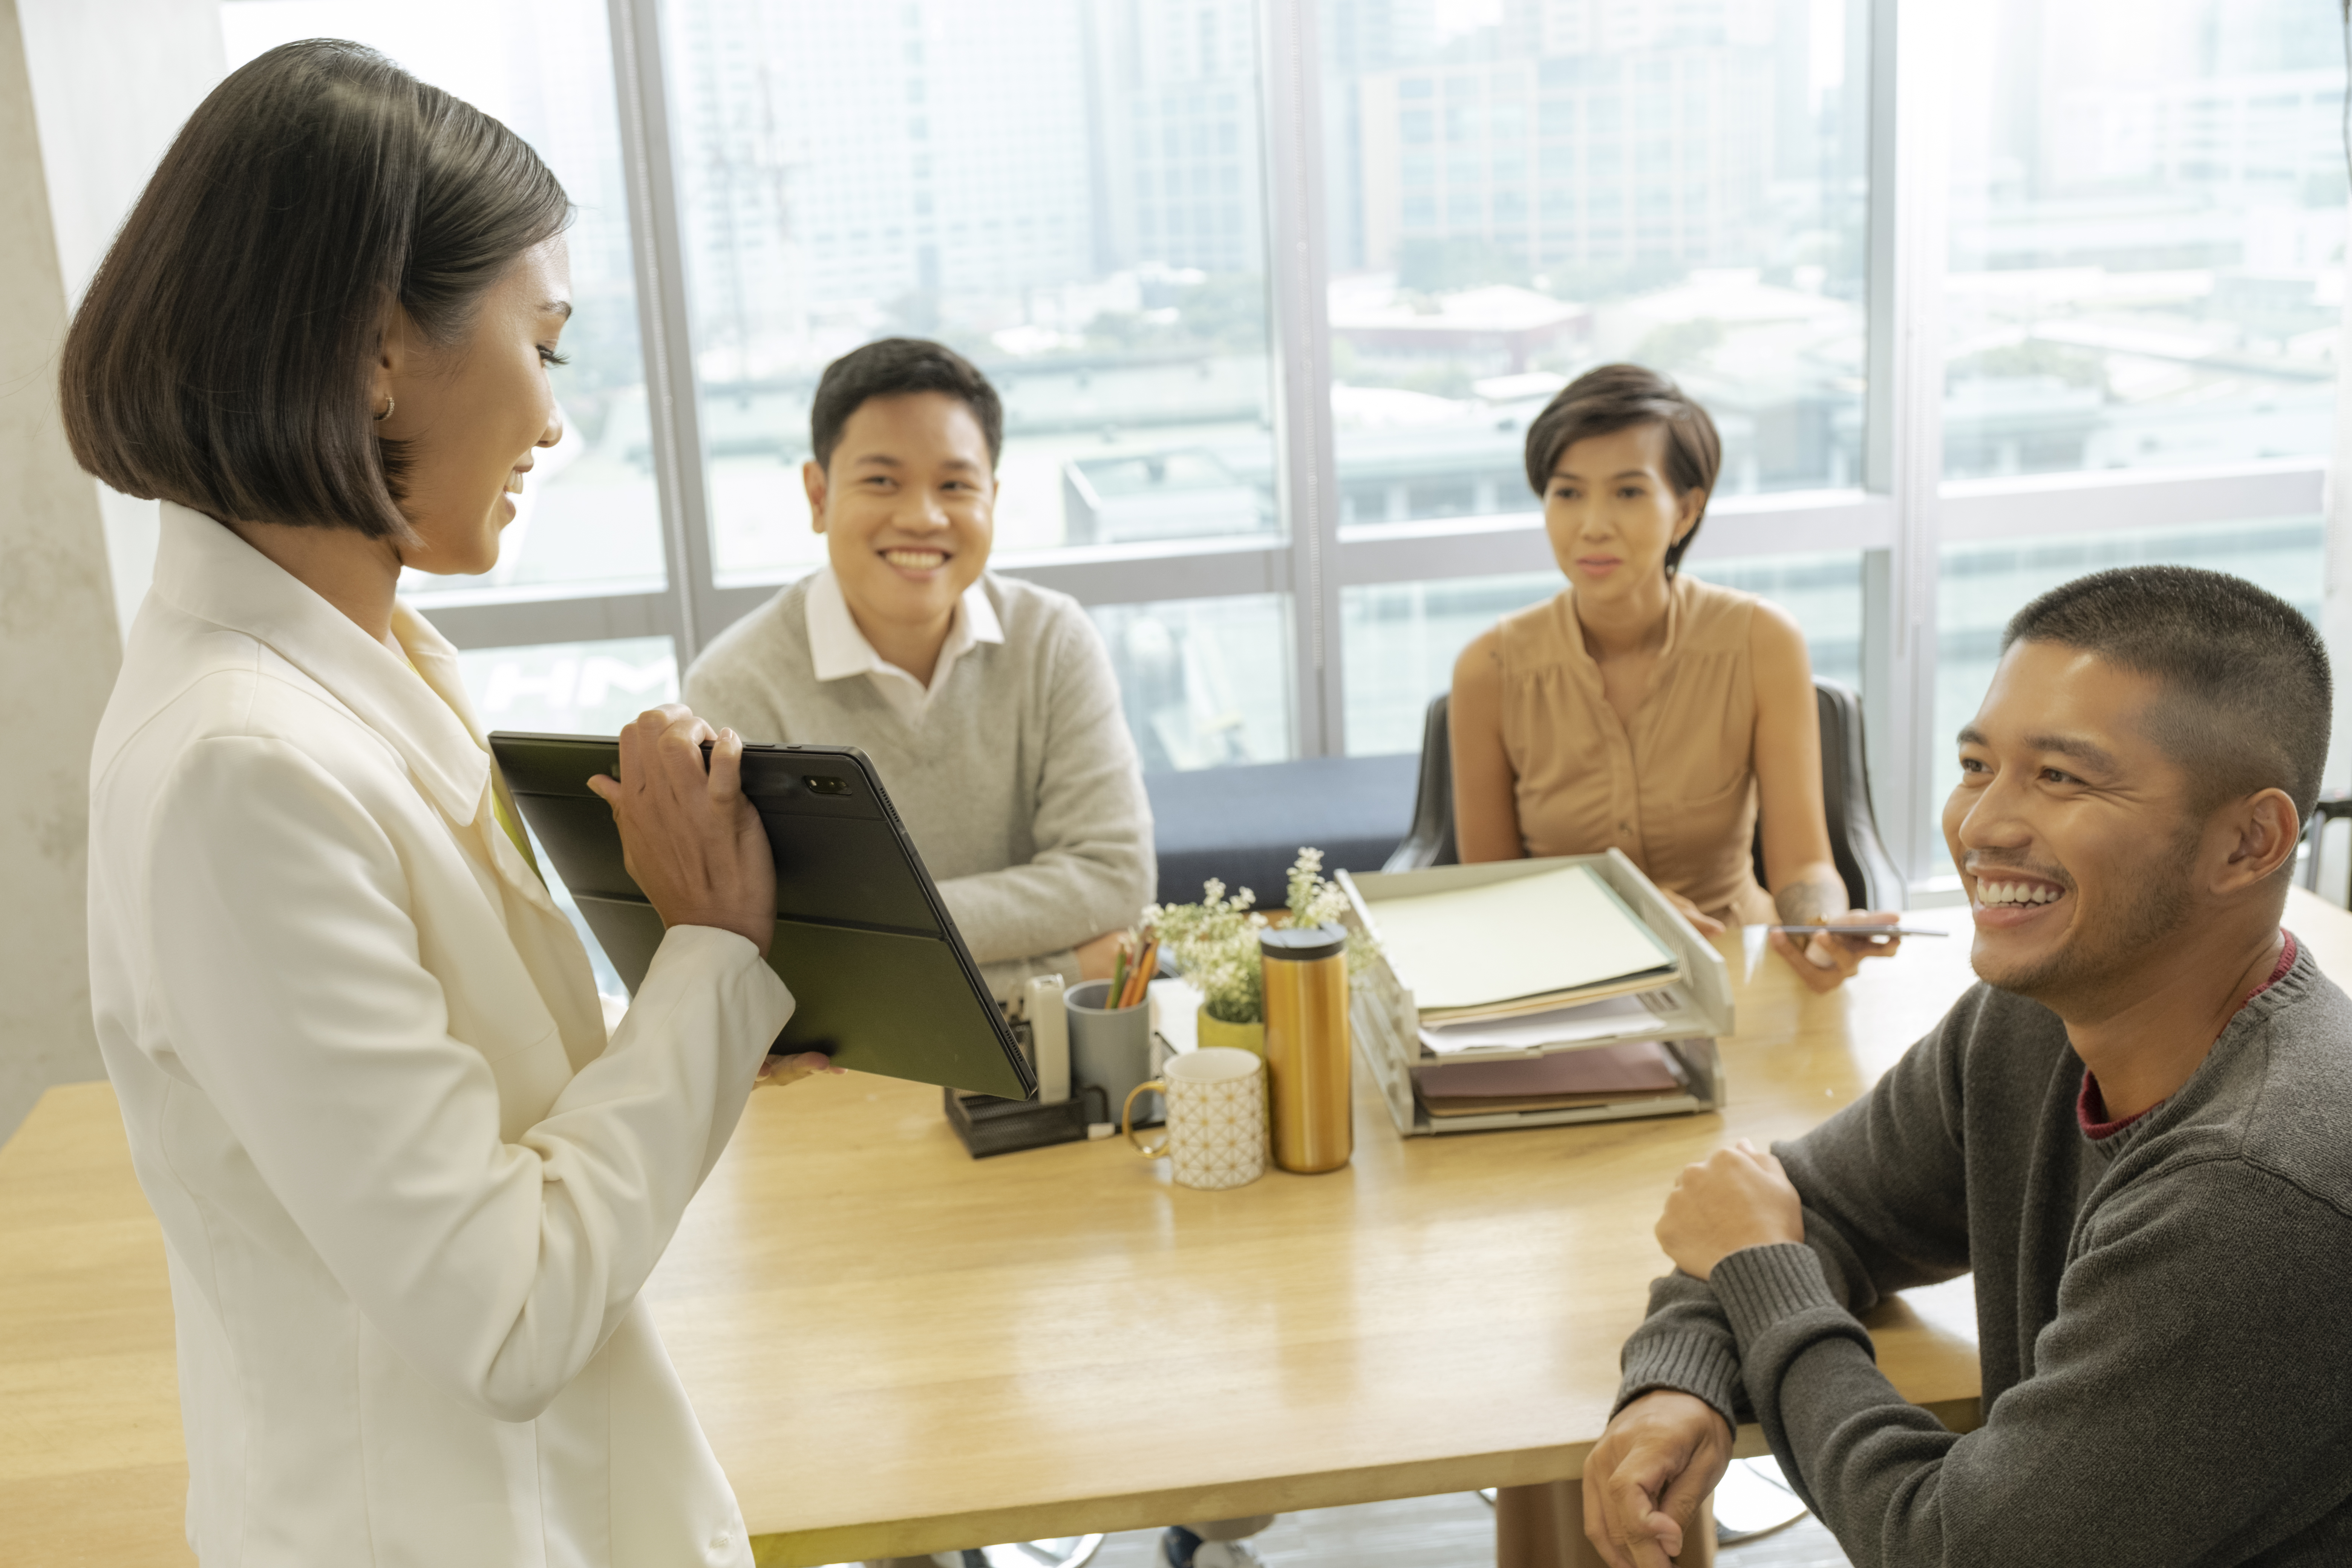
(1675,790)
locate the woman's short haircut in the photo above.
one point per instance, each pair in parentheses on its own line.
(894,367)
(2248,698)
(1616,398)
(224,355)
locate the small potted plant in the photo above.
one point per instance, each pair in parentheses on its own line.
(1214,944)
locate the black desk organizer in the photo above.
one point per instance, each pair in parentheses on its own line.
(992,1126)
(988,1125)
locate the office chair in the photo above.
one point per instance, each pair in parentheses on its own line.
(1871,880)
(2331,808)
(1430,841)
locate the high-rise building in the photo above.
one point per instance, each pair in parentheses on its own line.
(1182,178)
(848,168)
(1600,160)
(875,158)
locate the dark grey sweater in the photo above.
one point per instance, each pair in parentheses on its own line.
(2165,1316)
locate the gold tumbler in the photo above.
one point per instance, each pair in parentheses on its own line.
(1306,1063)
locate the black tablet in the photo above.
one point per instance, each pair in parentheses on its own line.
(881,980)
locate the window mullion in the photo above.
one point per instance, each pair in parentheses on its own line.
(658,255)
(1908,176)
(1301,333)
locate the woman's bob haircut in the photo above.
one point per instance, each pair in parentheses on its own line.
(1616,398)
(224,355)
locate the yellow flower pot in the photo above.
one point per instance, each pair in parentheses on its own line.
(1248,1037)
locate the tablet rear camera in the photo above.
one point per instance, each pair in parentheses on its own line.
(819,784)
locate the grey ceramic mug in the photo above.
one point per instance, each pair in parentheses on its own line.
(1111,1049)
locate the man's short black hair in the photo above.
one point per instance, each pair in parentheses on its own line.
(892,367)
(2250,697)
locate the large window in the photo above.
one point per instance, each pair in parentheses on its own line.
(2147,221)
(1980,298)
(1401,639)
(1193,678)
(1982,585)
(1067,192)
(1518,192)
(572,689)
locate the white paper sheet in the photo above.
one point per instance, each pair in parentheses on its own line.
(1603,1020)
(1470,947)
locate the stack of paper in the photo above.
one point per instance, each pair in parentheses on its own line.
(1588,1023)
(1529,944)
(1605,1074)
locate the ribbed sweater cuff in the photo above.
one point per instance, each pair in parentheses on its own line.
(1760,1286)
(1700,1365)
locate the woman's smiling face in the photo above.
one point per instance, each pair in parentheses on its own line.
(470,416)
(1613,514)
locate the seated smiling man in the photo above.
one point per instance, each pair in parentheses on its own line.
(2135,1131)
(988,705)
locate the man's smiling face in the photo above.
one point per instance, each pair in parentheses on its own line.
(2072,830)
(908,508)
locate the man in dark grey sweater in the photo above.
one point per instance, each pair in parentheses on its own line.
(2137,1132)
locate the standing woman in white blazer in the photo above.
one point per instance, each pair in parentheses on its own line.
(408,1187)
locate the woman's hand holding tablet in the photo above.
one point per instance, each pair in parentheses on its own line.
(689,838)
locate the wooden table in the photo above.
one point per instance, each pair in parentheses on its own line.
(896,1349)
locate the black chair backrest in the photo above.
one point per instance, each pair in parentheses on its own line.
(1431,840)
(1872,882)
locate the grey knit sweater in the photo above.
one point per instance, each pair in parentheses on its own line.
(2162,1314)
(1019,784)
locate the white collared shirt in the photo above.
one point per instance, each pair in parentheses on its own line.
(839,650)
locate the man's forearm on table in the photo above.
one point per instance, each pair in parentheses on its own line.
(1688,1342)
(1685,1344)
(1851,1445)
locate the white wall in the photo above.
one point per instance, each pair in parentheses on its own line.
(91,93)
(58,642)
(112,82)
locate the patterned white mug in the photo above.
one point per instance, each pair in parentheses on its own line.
(1216,1118)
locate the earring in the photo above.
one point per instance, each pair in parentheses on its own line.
(387,409)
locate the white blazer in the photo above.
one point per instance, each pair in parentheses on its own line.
(408,1189)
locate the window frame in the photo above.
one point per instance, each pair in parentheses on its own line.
(1898,518)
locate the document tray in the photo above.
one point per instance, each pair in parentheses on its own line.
(1689,1013)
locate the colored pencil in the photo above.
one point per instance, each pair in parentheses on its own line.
(1139,983)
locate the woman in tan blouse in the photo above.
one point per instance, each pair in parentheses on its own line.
(1642,709)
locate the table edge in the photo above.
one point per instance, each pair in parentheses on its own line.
(1237,1500)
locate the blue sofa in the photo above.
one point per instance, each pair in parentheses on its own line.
(1245,825)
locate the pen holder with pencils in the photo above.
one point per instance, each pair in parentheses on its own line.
(1110,1046)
